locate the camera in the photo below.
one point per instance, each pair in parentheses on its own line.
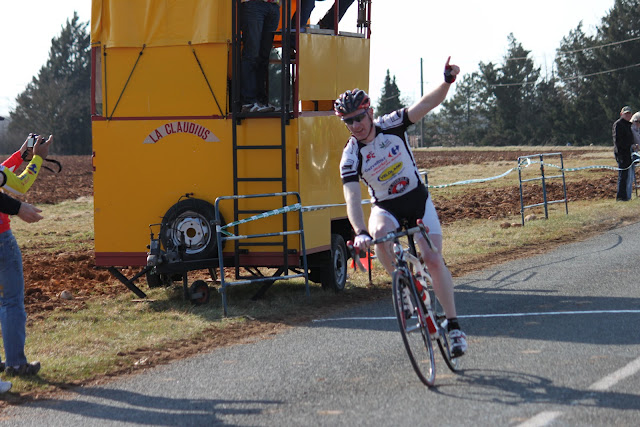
(32,140)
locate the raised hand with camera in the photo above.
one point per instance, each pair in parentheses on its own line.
(34,140)
(20,184)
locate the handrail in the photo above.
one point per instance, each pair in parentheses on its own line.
(222,237)
(544,180)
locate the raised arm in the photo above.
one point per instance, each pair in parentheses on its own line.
(435,97)
(21,183)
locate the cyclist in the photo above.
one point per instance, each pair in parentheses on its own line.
(378,153)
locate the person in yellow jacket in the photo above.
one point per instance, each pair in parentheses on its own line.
(13,316)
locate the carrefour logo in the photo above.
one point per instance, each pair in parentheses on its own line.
(390,172)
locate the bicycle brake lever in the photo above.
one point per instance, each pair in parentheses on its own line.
(355,254)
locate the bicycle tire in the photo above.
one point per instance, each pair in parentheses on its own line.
(453,363)
(415,335)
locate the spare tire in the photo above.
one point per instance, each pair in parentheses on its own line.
(193,221)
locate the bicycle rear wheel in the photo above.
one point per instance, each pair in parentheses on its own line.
(413,327)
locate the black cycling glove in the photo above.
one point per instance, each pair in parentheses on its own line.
(448,76)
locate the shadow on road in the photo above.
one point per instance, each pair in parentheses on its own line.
(136,408)
(516,388)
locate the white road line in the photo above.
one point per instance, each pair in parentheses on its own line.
(545,418)
(610,380)
(542,419)
(485,316)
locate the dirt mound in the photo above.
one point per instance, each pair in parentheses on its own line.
(500,203)
(436,158)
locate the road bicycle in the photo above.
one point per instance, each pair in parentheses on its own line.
(419,313)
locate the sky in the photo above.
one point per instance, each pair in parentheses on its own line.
(470,31)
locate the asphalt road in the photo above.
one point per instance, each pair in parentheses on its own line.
(554,340)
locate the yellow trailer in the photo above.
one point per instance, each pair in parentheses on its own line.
(169,138)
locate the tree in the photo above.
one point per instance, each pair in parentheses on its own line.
(57,101)
(466,115)
(599,74)
(389,96)
(513,90)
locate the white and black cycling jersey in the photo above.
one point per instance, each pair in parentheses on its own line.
(386,164)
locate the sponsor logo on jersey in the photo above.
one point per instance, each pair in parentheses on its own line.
(347,165)
(370,155)
(374,165)
(399,185)
(394,151)
(395,117)
(353,147)
(390,172)
(385,143)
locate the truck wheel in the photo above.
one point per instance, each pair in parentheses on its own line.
(334,276)
(199,292)
(193,219)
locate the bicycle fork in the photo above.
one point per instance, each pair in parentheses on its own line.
(420,282)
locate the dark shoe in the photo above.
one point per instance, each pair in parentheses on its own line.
(249,108)
(26,369)
(1,366)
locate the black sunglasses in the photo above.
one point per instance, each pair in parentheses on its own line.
(357,118)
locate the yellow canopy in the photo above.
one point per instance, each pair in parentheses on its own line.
(160,22)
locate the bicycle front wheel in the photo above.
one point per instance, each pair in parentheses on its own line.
(453,363)
(413,327)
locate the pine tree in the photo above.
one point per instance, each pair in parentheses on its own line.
(465,114)
(513,88)
(389,97)
(57,101)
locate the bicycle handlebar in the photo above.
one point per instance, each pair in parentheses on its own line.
(394,235)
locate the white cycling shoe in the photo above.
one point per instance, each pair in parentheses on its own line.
(457,342)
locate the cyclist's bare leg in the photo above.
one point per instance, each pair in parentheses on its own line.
(380,226)
(442,279)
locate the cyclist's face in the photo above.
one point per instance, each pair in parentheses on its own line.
(359,123)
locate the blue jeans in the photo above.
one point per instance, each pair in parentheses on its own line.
(13,316)
(258,21)
(306,7)
(630,179)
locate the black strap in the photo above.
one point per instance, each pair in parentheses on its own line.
(57,163)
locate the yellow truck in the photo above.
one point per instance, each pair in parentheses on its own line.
(169,139)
